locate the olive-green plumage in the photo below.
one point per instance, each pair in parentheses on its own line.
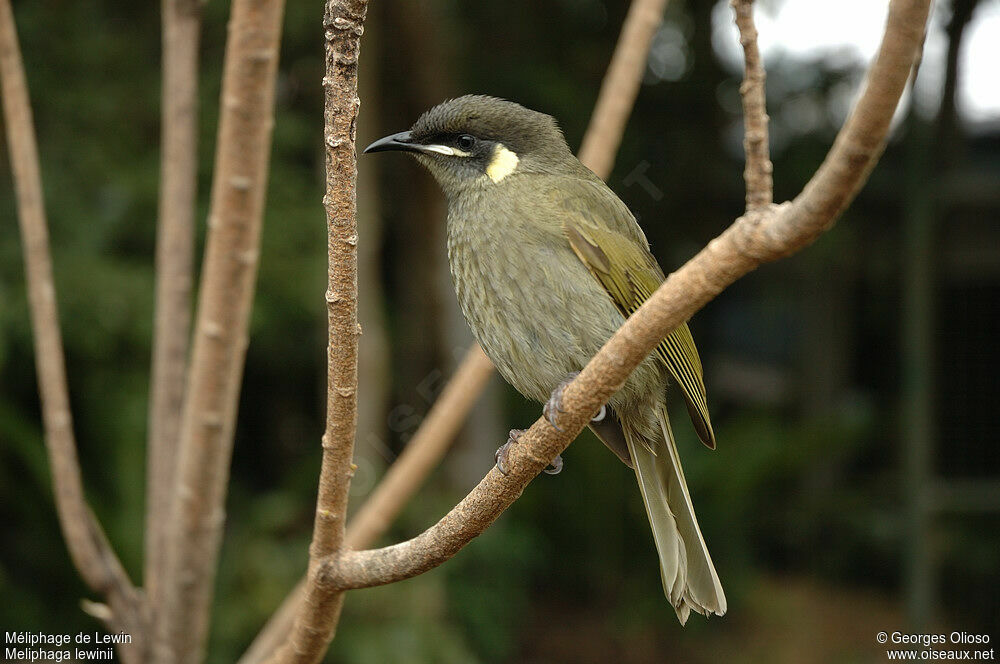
(547,261)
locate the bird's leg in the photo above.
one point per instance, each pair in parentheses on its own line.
(512,438)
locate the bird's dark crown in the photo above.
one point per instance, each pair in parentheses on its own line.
(519,129)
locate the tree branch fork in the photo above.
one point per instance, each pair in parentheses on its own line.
(745,245)
(766,232)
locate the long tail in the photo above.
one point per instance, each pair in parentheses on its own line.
(689,578)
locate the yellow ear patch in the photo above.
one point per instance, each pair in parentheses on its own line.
(503,163)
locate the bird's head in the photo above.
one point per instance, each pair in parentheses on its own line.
(482,140)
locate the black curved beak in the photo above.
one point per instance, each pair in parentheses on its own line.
(402,142)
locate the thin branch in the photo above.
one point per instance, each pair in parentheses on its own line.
(757,237)
(174,258)
(620,86)
(758,171)
(316,619)
(197,514)
(88,547)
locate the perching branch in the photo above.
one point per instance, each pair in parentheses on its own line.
(198,506)
(759,236)
(85,539)
(757,173)
(620,86)
(437,431)
(174,256)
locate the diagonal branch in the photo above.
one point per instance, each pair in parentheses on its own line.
(757,173)
(197,514)
(174,257)
(88,547)
(620,86)
(757,237)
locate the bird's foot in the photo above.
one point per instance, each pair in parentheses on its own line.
(503,450)
(553,406)
(501,454)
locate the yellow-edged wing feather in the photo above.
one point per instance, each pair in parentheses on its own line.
(630,274)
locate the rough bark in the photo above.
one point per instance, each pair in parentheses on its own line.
(316,619)
(757,173)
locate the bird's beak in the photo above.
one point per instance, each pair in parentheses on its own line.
(402,141)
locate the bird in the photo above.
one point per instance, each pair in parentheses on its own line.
(547,262)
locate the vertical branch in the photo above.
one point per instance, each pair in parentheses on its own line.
(197,514)
(89,549)
(620,86)
(757,172)
(343,22)
(174,257)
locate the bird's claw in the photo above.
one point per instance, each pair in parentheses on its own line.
(554,405)
(501,454)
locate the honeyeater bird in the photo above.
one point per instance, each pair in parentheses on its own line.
(547,262)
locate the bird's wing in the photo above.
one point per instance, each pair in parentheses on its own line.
(630,274)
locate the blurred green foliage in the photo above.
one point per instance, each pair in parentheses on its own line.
(805,483)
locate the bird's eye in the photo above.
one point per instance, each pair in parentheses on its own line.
(466,142)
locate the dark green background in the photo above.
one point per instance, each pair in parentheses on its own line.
(803,504)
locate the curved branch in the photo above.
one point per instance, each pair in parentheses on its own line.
(404,477)
(862,139)
(422,453)
(757,237)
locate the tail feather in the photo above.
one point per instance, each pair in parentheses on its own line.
(690,581)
